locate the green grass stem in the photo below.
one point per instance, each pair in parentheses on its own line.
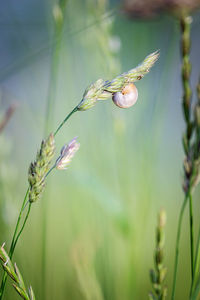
(13,243)
(22,228)
(65,120)
(195,284)
(180,220)
(191,235)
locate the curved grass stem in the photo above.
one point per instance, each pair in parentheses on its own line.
(65,120)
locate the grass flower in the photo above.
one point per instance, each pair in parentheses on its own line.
(157,276)
(14,273)
(103,90)
(66,154)
(93,93)
(39,168)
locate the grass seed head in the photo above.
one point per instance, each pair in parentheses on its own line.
(39,168)
(103,90)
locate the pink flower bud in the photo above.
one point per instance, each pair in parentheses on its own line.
(66,154)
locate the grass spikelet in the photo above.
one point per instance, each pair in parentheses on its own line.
(133,75)
(158,275)
(39,168)
(14,273)
(31,293)
(103,90)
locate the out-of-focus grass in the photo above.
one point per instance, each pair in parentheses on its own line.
(102,210)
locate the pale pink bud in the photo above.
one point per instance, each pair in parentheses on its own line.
(66,154)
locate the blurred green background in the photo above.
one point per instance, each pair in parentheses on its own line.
(101,213)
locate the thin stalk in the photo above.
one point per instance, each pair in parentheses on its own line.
(50,170)
(185,24)
(195,287)
(191,235)
(180,219)
(196,265)
(5,275)
(65,120)
(18,222)
(22,228)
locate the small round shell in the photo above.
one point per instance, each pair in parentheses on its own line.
(127,97)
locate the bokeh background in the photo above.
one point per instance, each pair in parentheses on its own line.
(92,235)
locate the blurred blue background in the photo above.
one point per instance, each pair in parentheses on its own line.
(101,213)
